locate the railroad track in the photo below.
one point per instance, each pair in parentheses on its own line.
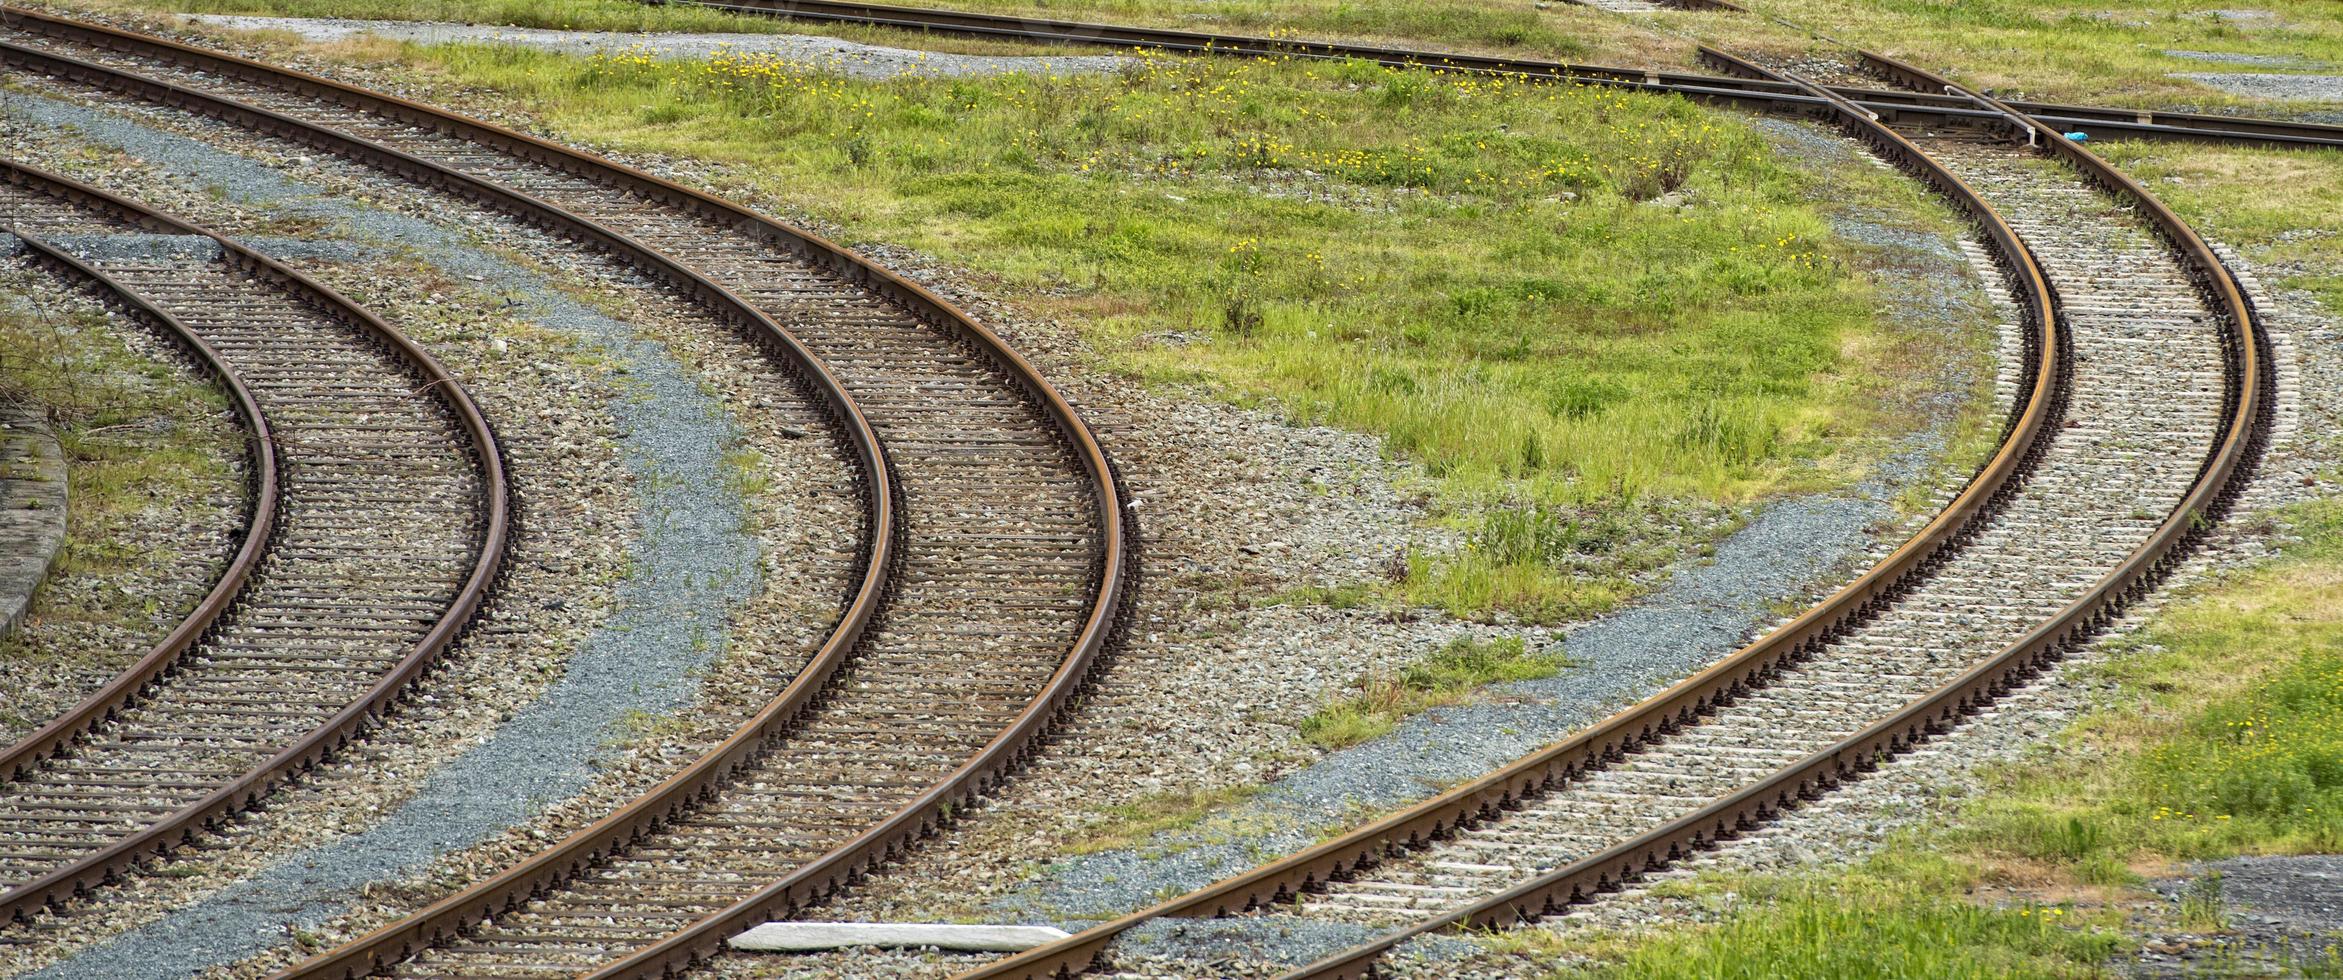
(2155,405)
(380,521)
(1929,106)
(1007,549)
(457,148)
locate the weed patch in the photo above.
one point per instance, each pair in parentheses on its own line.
(1448,676)
(144,445)
(1134,822)
(2234,744)
(1861,925)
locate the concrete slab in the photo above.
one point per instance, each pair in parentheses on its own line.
(806,937)
(32,508)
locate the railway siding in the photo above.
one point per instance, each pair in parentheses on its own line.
(2131,423)
(805,506)
(2145,297)
(2193,299)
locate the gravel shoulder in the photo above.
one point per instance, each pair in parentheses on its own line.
(2272,85)
(2280,912)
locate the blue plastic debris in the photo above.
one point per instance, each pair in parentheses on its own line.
(2079,137)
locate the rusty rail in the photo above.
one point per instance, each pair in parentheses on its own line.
(1613,738)
(679,793)
(233,797)
(866,595)
(1775,92)
(2246,409)
(262,485)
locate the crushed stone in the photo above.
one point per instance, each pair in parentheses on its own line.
(690,564)
(2272,85)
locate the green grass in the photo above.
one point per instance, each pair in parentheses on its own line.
(2224,737)
(1557,32)
(1131,823)
(1449,676)
(2065,50)
(1480,273)
(1891,920)
(129,428)
(2231,741)
(134,433)
(1560,32)
(584,15)
(2072,50)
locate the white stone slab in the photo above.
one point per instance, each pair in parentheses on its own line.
(804,937)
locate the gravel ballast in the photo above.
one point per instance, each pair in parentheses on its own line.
(689,565)
(1213,514)
(2271,85)
(1927,786)
(87,622)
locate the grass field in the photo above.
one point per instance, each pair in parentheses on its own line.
(2224,735)
(1576,308)
(2081,49)
(2060,49)
(1561,31)
(1476,271)
(583,15)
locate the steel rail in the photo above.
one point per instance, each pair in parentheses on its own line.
(878,547)
(2246,404)
(1929,98)
(239,794)
(262,485)
(1613,738)
(2140,123)
(879,538)
(516,885)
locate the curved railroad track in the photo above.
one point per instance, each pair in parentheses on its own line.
(262,501)
(663,881)
(2155,428)
(383,521)
(1010,561)
(1929,105)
